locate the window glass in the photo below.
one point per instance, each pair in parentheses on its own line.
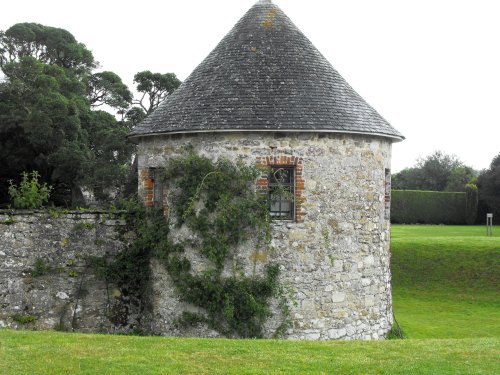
(281,192)
(157,188)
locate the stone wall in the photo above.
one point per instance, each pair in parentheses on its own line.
(334,259)
(45,280)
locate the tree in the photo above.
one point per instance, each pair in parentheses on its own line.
(459,177)
(155,87)
(48,45)
(46,121)
(488,184)
(407,179)
(40,127)
(107,168)
(49,117)
(436,172)
(134,116)
(108,88)
(436,169)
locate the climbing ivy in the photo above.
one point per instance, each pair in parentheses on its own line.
(218,203)
(129,270)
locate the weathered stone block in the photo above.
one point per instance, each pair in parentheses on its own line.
(338,297)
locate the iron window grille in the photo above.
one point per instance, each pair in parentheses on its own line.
(282,192)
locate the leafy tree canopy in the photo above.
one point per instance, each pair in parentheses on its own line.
(40,109)
(437,172)
(49,117)
(48,45)
(134,116)
(46,122)
(109,164)
(154,87)
(108,88)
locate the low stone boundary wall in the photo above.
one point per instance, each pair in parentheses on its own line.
(45,278)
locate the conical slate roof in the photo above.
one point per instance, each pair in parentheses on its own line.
(265,75)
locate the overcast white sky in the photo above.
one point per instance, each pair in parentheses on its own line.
(430,67)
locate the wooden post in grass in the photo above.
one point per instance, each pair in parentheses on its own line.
(489,224)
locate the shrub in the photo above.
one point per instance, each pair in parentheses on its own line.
(471,203)
(29,194)
(427,207)
(396,333)
(40,268)
(24,319)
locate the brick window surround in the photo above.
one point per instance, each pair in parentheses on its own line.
(285,161)
(147,185)
(152,189)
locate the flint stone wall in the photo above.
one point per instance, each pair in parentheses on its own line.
(69,296)
(335,262)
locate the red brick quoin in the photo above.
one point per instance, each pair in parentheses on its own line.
(147,184)
(297,163)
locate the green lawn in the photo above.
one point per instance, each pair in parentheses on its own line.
(446,298)
(446,281)
(59,353)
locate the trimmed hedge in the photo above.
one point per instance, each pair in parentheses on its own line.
(471,203)
(427,207)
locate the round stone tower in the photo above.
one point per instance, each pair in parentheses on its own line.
(266,95)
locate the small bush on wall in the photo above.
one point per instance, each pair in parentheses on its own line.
(30,193)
